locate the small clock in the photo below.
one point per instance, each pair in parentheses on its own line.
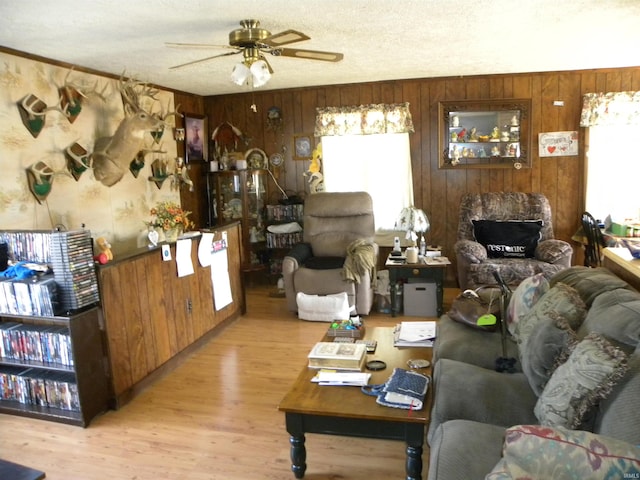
(276,159)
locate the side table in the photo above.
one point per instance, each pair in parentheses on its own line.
(428,268)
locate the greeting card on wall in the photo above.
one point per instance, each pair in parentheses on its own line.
(557,144)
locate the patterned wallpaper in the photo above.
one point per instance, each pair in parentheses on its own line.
(117,212)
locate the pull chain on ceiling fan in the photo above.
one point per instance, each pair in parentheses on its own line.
(253,42)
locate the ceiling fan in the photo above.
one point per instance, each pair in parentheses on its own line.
(253,42)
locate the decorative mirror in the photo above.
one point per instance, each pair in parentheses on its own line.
(484,134)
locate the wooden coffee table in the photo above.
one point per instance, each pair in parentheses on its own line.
(310,408)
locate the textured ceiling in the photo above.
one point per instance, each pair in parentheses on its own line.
(381,40)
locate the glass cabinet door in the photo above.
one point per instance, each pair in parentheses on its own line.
(256,205)
(240,195)
(229,196)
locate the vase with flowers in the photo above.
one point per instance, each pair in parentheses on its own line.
(171,219)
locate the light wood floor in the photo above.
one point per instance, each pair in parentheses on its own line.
(214,417)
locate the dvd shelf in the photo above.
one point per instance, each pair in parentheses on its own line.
(69,254)
(52,359)
(52,368)
(280,239)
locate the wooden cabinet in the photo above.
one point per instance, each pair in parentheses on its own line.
(53,367)
(152,316)
(240,195)
(485,134)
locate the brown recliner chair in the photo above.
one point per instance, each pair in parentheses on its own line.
(332,221)
(474,263)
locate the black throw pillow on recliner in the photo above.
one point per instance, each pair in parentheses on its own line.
(324,263)
(508,239)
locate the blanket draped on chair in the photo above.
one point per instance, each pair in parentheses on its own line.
(360,260)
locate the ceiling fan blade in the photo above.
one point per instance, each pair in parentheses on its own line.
(285,38)
(194,45)
(309,54)
(204,60)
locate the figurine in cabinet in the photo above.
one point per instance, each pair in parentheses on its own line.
(473,135)
(495,135)
(495,151)
(455,155)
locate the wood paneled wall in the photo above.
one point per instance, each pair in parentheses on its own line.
(438,191)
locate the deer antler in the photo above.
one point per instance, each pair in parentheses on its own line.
(37,108)
(163,116)
(132,97)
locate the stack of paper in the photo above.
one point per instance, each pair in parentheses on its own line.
(345,379)
(414,334)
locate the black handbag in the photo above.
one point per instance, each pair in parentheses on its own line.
(477,309)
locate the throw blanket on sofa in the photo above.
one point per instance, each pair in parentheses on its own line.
(360,260)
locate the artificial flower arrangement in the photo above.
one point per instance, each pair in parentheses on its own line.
(169,215)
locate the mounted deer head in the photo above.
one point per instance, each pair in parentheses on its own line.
(112,155)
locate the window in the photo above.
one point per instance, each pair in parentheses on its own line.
(612,173)
(613,121)
(377,164)
(366,148)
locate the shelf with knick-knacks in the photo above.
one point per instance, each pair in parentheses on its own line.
(484,134)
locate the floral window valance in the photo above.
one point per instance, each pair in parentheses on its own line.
(614,108)
(363,120)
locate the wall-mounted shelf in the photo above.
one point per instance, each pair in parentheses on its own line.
(484,134)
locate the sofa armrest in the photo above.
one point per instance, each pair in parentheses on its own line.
(535,452)
(557,252)
(471,251)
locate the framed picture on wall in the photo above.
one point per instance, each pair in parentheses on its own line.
(302,146)
(196,138)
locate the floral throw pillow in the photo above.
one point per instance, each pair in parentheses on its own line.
(524,298)
(592,369)
(536,452)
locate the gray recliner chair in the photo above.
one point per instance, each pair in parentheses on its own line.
(332,222)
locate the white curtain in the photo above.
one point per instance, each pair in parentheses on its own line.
(378,164)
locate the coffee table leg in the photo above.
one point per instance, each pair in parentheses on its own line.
(299,456)
(414,462)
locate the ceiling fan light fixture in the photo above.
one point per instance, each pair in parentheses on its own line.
(240,74)
(260,72)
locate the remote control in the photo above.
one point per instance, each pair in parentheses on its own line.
(371,345)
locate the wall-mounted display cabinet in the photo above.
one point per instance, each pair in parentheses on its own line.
(485,134)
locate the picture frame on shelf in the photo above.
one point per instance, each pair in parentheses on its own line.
(303,146)
(196,140)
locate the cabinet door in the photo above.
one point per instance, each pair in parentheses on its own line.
(256,205)
(229,190)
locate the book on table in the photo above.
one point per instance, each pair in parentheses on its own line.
(338,356)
